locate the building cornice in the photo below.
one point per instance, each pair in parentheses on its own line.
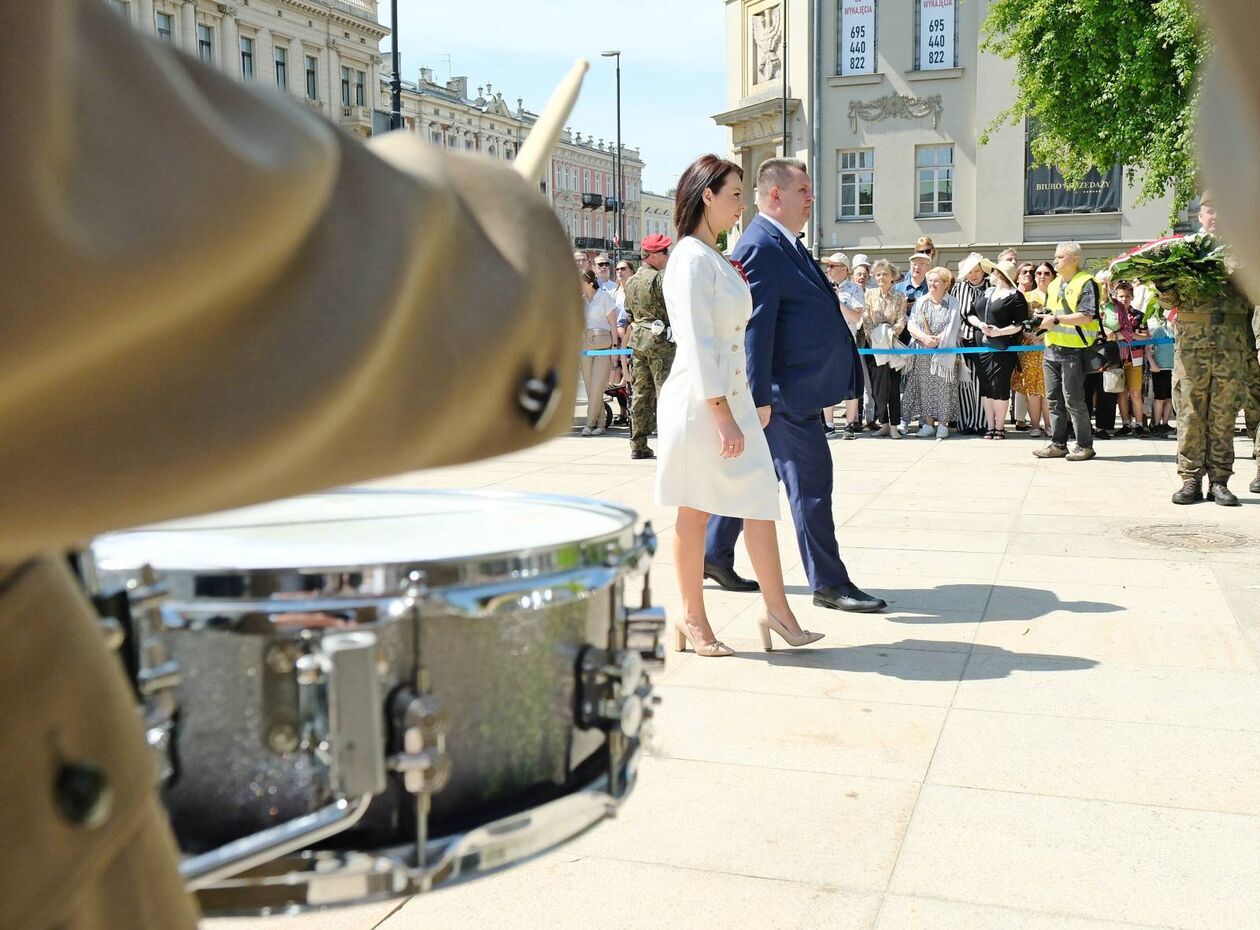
(339,13)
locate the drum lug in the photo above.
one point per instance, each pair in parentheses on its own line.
(644,627)
(422,761)
(612,691)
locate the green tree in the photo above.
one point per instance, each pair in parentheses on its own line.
(1108,82)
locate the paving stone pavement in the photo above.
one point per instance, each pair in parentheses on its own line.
(1054,725)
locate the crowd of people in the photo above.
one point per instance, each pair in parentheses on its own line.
(1027,328)
(997,306)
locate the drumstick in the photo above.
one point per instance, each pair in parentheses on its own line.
(543,138)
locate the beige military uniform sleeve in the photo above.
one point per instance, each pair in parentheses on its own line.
(212,297)
(1228,122)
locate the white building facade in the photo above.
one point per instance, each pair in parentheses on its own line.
(886,100)
(658,215)
(580,181)
(323,52)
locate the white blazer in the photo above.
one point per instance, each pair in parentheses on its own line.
(709,305)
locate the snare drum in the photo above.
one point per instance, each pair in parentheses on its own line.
(380,691)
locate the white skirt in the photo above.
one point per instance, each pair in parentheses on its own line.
(690,472)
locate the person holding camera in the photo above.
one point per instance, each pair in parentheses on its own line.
(1070,323)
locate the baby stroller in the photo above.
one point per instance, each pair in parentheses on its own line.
(621,394)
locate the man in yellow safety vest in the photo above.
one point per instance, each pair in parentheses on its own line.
(1071,327)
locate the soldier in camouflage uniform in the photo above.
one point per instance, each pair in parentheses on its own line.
(1210,382)
(1253,404)
(653,353)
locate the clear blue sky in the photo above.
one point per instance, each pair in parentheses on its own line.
(672,65)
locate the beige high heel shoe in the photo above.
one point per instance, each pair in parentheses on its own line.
(771,622)
(682,637)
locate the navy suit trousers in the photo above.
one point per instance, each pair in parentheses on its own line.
(802,459)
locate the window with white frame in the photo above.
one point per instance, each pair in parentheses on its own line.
(934,179)
(282,67)
(121,7)
(312,77)
(360,89)
(205,43)
(855,185)
(247,58)
(165,26)
(345,86)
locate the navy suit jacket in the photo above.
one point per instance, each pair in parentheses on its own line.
(801,355)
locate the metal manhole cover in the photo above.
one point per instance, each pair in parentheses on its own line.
(1194,538)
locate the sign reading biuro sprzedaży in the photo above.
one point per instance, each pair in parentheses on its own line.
(857,37)
(936,34)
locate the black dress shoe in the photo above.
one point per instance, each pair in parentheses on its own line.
(848,597)
(726,578)
(642,454)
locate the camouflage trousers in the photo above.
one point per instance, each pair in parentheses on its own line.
(1251,409)
(650,371)
(1210,385)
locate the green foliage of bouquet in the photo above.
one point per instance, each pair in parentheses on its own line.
(1195,268)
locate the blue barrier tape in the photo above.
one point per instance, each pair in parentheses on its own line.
(960,350)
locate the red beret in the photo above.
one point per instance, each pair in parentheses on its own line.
(655,243)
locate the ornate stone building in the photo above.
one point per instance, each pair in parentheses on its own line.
(326,53)
(885,102)
(580,181)
(323,52)
(658,215)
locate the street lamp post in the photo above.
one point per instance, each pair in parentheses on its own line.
(618,213)
(785,79)
(395,86)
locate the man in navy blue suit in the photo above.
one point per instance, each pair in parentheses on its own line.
(801,358)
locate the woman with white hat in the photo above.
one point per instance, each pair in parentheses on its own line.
(968,290)
(861,271)
(852,301)
(999,317)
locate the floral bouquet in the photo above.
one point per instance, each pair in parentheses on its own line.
(1195,268)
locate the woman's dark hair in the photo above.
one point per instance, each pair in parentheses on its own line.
(1041,265)
(588,277)
(706,173)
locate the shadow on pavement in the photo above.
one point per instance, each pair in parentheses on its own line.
(947,603)
(920,660)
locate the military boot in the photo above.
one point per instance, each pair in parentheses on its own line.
(1254,487)
(1191,492)
(1219,491)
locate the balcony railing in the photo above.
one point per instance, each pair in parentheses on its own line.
(610,204)
(588,242)
(356,116)
(364,9)
(592,201)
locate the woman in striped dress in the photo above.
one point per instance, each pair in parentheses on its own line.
(969,292)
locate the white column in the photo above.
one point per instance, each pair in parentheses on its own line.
(297,69)
(334,84)
(144,16)
(230,43)
(188,26)
(264,58)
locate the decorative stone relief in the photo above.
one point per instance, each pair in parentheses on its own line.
(767,33)
(895,106)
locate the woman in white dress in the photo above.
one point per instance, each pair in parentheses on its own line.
(713,457)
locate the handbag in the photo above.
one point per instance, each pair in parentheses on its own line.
(1101,355)
(1113,380)
(598,339)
